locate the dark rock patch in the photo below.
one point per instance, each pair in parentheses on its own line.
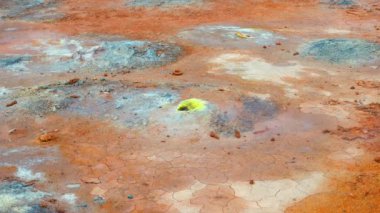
(252,110)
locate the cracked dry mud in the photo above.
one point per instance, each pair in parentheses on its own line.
(189,106)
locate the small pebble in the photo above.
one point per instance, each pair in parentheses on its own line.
(82,205)
(377,159)
(326,131)
(46,137)
(177,73)
(214,135)
(72,81)
(91,180)
(11,131)
(11,104)
(237,134)
(99,200)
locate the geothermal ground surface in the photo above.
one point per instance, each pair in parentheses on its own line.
(189,106)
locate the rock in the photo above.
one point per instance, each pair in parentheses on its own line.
(52,201)
(214,135)
(177,73)
(237,134)
(251,182)
(11,104)
(11,131)
(44,204)
(377,159)
(72,81)
(82,205)
(90,180)
(326,131)
(46,137)
(99,200)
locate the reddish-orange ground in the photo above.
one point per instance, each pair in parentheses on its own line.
(152,164)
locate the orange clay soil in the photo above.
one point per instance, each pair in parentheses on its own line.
(356,190)
(103,17)
(331,129)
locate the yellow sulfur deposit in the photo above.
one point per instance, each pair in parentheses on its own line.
(241,35)
(191,105)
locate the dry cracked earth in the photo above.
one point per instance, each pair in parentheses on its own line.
(259,106)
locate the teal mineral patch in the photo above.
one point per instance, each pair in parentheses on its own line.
(342,3)
(92,55)
(343,51)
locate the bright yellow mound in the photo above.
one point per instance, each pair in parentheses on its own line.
(191,105)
